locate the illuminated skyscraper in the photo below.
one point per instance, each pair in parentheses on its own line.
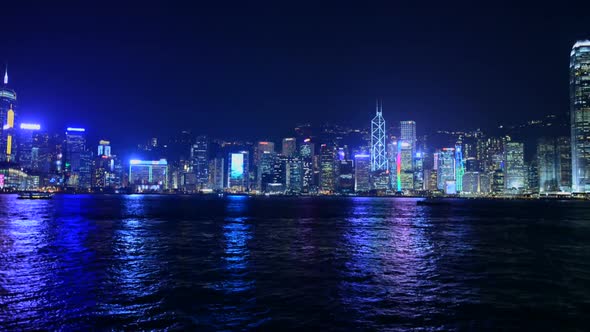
(77,159)
(294,176)
(362,173)
(580,115)
(327,169)
(266,161)
(459,167)
(7,121)
(28,146)
(200,161)
(554,164)
(470,183)
(238,177)
(289,146)
(345,176)
(104,148)
(216,170)
(378,143)
(445,169)
(419,171)
(404,166)
(263,147)
(515,172)
(306,152)
(408,134)
(148,175)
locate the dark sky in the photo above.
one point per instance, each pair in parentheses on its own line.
(130,71)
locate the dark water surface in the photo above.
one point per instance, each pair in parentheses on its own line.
(238,263)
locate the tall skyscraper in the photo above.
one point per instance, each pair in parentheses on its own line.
(148,175)
(378,141)
(307,152)
(362,173)
(515,172)
(28,146)
(580,115)
(289,146)
(404,166)
(327,168)
(200,161)
(294,176)
(459,167)
(408,134)
(7,120)
(104,148)
(445,169)
(264,170)
(76,159)
(554,164)
(238,172)
(216,170)
(263,147)
(345,176)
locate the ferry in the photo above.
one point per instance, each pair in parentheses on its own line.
(35,195)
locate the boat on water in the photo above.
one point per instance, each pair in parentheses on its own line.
(35,195)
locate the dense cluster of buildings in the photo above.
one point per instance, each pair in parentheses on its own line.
(376,160)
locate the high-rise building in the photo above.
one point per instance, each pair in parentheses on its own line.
(262,147)
(345,176)
(378,142)
(470,183)
(515,171)
(554,164)
(104,148)
(216,170)
(200,162)
(148,175)
(289,146)
(306,152)
(408,134)
(294,176)
(362,173)
(327,169)
(459,168)
(28,146)
(419,171)
(445,169)
(7,121)
(497,182)
(107,175)
(404,166)
(266,162)
(580,115)
(238,172)
(76,158)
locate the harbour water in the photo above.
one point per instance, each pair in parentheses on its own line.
(83,262)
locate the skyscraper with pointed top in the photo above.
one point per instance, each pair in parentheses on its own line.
(7,120)
(378,141)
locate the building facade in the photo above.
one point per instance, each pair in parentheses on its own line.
(580,115)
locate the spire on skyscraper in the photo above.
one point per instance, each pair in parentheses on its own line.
(6,75)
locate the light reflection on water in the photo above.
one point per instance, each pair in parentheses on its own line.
(198,263)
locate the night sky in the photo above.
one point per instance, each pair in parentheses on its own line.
(128,72)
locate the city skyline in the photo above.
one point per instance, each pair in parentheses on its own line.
(217,71)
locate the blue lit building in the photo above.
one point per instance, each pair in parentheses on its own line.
(77,159)
(148,175)
(238,177)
